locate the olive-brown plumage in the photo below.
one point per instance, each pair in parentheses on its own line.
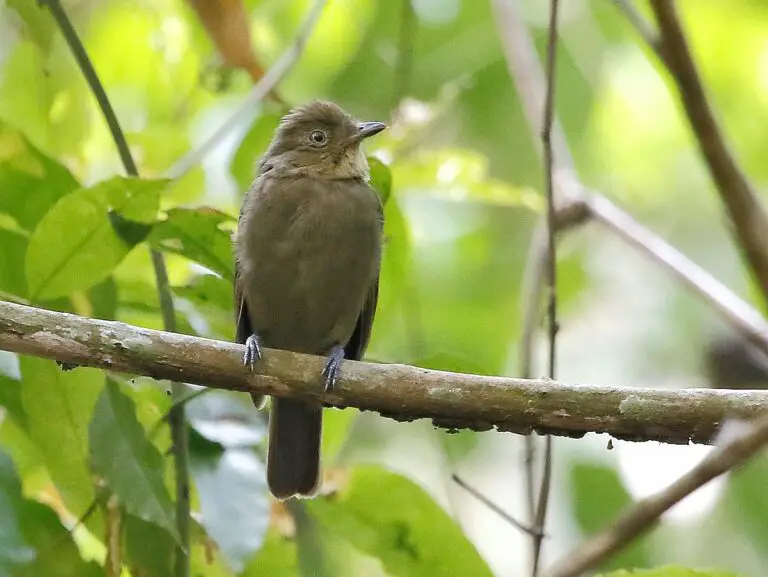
(308,249)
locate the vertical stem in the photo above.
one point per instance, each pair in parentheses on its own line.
(551,271)
(177,418)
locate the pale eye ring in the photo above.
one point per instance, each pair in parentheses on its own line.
(318,137)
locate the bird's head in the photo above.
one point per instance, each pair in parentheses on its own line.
(323,139)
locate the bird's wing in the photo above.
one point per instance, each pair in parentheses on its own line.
(243,328)
(355,347)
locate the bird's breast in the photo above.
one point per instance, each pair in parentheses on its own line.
(310,270)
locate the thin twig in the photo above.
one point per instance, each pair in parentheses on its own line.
(526,71)
(644,514)
(643,28)
(178,422)
(261,89)
(745,209)
(551,270)
(494,507)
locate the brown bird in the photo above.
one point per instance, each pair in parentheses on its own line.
(308,250)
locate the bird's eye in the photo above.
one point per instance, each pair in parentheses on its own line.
(318,137)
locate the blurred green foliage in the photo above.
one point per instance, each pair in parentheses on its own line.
(460,176)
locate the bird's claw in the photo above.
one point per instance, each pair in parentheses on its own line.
(333,368)
(252,351)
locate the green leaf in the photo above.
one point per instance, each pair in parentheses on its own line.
(103,297)
(381,178)
(10,400)
(336,425)
(130,464)
(669,571)
(597,498)
(149,550)
(33,542)
(746,498)
(252,147)
(197,234)
(212,297)
(31,181)
(234,504)
(58,406)
(277,558)
(387,516)
(75,246)
(12,278)
(15,550)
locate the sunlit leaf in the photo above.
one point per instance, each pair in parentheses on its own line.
(75,246)
(198,235)
(389,517)
(231,484)
(277,558)
(58,405)
(127,461)
(54,109)
(31,181)
(459,175)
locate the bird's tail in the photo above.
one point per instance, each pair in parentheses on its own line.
(293,464)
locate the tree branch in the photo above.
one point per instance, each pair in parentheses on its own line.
(747,213)
(641,516)
(526,71)
(400,392)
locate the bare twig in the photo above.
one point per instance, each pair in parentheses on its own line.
(397,391)
(551,270)
(177,421)
(644,514)
(261,89)
(747,213)
(494,507)
(643,28)
(525,69)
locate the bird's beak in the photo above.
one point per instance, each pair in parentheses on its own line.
(366,129)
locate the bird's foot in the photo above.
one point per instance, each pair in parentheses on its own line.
(252,351)
(333,367)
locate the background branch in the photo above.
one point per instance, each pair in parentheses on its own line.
(400,392)
(525,70)
(747,213)
(640,517)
